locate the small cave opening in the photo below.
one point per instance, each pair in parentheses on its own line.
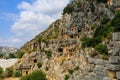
(35,60)
(79,30)
(60,49)
(26,72)
(71,36)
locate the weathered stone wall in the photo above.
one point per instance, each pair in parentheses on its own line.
(114,59)
(107,69)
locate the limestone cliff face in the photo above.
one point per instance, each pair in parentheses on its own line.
(59,50)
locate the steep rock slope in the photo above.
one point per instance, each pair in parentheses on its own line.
(59,49)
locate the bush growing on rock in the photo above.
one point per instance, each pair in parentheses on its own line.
(85,42)
(90,42)
(1,70)
(66,77)
(35,75)
(17,73)
(70,71)
(19,54)
(116,22)
(11,55)
(9,71)
(101,48)
(48,54)
(68,9)
(104,20)
(76,68)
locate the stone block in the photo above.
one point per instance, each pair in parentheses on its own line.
(98,61)
(116,36)
(118,75)
(116,51)
(114,59)
(103,73)
(106,78)
(101,62)
(116,44)
(99,68)
(90,60)
(98,77)
(114,67)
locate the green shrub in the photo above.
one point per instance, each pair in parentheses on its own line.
(19,54)
(70,71)
(11,55)
(103,31)
(66,77)
(104,20)
(90,42)
(1,70)
(76,68)
(35,75)
(68,9)
(1,55)
(102,49)
(9,71)
(39,64)
(27,77)
(93,27)
(85,42)
(17,73)
(116,22)
(95,41)
(48,54)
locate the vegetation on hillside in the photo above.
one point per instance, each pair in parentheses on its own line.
(17,73)
(7,73)
(102,32)
(35,75)
(68,9)
(101,48)
(1,70)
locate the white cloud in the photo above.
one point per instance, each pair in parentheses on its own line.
(35,17)
(13,42)
(44,6)
(16,40)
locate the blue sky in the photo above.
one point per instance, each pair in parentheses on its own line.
(21,20)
